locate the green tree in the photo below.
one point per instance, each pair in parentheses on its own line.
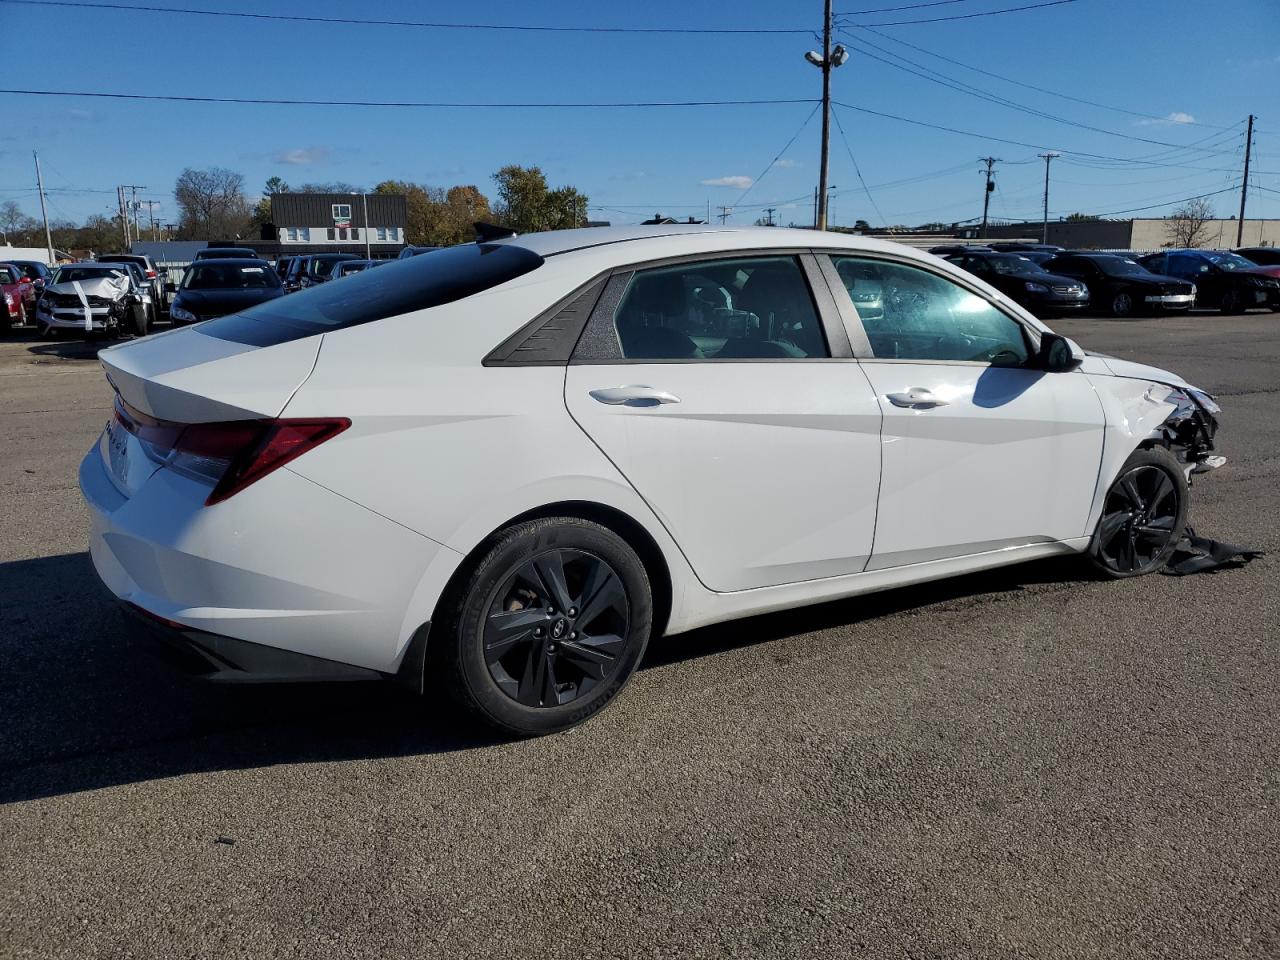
(527,206)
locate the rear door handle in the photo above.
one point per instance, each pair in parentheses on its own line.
(636,395)
(916,398)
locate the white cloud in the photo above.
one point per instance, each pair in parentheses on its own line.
(738,182)
(786,163)
(302,156)
(1176,117)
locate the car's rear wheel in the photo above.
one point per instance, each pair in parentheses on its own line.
(1143,516)
(1122,305)
(548,627)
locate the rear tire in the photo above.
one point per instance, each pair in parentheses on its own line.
(547,628)
(1143,516)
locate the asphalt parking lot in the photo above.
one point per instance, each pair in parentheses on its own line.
(1029,763)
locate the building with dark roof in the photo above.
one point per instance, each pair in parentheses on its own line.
(334,223)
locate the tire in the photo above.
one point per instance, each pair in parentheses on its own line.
(6,322)
(1122,305)
(1143,516)
(520,661)
(1231,303)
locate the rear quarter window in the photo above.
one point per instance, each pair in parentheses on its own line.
(399,287)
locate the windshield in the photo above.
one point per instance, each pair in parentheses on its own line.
(9,275)
(32,270)
(1014,266)
(414,283)
(1230,261)
(72,274)
(322,266)
(1121,267)
(212,275)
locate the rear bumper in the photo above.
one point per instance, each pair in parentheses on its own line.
(220,659)
(284,565)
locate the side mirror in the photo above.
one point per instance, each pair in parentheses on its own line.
(1058,354)
(170,287)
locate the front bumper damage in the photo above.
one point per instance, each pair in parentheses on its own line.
(1189,429)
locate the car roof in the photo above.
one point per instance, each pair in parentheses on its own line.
(232,261)
(639,242)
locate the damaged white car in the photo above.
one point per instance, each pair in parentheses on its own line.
(91,298)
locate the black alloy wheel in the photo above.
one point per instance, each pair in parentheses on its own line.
(548,627)
(1122,305)
(556,627)
(1143,516)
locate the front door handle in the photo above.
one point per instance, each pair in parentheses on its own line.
(916,398)
(636,395)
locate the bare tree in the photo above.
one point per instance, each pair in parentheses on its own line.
(1189,225)
(212,204)
(12,219)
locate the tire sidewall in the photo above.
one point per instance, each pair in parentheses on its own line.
(1117,309)
(478,689)
(1163,459)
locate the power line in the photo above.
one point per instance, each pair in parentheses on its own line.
(1030,86)
(1016,143)
(785,148)
(426,24)
(849,149)
(971,16)
(960,86)
(275,101)
(909,6)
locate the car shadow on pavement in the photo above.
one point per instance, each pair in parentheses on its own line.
(86,704)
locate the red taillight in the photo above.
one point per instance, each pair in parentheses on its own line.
(151,274)
(233,454)
(275,443)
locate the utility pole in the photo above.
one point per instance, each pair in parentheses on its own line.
(48,237)
(1244,185)
(124,215)
(133,205)
(724,213)
(769,215)
(367,254)
(151,216)
(986,194)
(1047,158)
(828,60)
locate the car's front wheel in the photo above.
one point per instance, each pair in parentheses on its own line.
(548,627)
(1122,305)
(1143,516)
(1231,303)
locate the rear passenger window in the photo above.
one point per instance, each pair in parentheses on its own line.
(911,314)
(749,308)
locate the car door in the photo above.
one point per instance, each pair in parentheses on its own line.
(1210,283)
(981,451)
(724,390)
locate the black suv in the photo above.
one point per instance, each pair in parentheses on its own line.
(1223,279)
(1122,286)
(313,270)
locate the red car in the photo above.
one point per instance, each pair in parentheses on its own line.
(19,295)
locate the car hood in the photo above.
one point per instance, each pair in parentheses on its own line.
(110,288)
(1054,279)
(224,301)
(1139,371)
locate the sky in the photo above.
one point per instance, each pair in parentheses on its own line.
(1176,72)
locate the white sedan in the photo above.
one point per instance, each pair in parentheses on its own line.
(503,466)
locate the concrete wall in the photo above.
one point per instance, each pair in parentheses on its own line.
(1154,234)
(1088,234)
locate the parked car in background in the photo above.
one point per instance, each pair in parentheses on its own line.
(1026,282)
(35,271)
(19,295)
(412,251)
(1262,256)
(345,268)
(507,466)
(215,288)
(1224,280)
(282,267)
(150,273)
(947,249)
(1014,246)
(142,288)
(224,253)
(1037,256)
(109,306)
(1122,286)
(313,270)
